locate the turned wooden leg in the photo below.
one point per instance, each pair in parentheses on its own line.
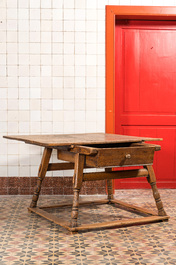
(109,186)
(152,181)
(41,175)
(77,183)
(75,206)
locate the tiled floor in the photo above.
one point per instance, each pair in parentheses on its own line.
(28,239)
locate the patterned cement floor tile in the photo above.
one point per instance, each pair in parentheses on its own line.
(28,239)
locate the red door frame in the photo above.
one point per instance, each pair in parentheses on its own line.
(125,12)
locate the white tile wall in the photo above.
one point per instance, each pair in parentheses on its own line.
(52,73)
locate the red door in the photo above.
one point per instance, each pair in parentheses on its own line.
(145,91)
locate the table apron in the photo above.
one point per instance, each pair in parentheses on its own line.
(114,157)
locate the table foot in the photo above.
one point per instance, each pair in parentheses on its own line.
(41,175)
(110,186)
(33,204)
(152,181)
(74,214)
(77,184)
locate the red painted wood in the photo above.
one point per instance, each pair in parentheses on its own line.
(145,92)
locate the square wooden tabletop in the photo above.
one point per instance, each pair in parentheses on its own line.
(56,140)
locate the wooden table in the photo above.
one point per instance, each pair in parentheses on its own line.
(96,150)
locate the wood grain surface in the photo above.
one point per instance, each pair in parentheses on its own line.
(81,139)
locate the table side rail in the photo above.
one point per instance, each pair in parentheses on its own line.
(134,155)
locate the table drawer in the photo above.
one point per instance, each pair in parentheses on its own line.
(122,156)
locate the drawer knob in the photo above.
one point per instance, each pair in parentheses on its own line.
(128,156)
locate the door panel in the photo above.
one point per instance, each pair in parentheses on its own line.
(145,95)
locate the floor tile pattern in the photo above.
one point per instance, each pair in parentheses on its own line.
(28,239)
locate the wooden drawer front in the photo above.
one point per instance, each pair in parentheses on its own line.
(123,156)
